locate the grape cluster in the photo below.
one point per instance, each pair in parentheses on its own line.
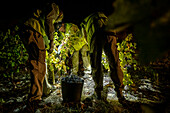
(72,79)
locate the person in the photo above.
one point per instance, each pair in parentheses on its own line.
(99,39)
(79,44)
(33,32)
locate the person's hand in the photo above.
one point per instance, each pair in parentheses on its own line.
(51,47)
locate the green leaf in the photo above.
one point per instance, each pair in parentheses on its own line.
(2,100)
(9,54)
(13,64)
(18,70)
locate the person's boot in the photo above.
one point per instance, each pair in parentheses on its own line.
(98,92)
(99,95)
(120,96)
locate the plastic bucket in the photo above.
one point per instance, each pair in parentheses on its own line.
(72,90)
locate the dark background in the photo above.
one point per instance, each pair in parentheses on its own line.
(74,10)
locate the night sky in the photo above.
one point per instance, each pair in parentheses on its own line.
(74,10)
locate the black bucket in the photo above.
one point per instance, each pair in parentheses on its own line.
(72,89)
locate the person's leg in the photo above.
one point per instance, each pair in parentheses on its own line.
(36,51)
(75,62)
(86,62)
(116,73)
(95,59)
(46,86)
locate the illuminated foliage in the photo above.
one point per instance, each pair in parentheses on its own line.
(105,61)
(13,53)
(57,60)
(127,57)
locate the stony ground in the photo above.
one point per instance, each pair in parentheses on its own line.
(145,96)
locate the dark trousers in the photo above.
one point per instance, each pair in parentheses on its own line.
(34,44)
(103,41)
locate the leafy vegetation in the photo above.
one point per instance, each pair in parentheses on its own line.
(13,53)
(127,55)
(57,60)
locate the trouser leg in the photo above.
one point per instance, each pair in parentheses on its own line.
(46,83)
(37,78)
(116,73)
(97,71)
(75,62)
(47,87)
(86,62)
(36,51)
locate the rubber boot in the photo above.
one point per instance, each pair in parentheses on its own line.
(99,93)
(120,96)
